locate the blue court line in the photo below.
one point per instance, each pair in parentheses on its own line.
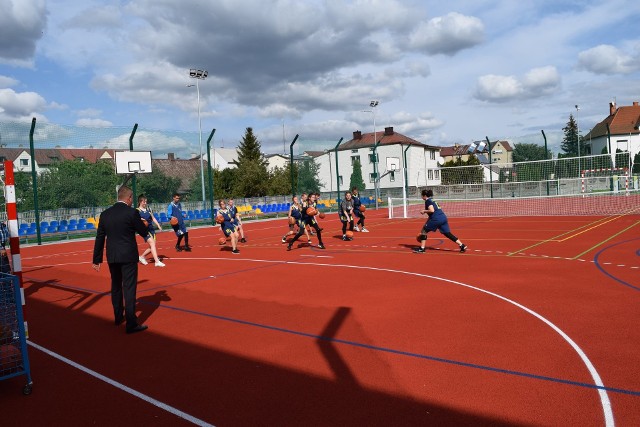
(606,273)
(402,353)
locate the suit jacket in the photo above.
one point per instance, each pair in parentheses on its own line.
(119,225)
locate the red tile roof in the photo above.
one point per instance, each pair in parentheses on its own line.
(622,121)
(384,137)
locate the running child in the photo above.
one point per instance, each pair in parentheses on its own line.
(236,220)
(150,238)
(228,227)
(437,221)
(307,219)
(294,216)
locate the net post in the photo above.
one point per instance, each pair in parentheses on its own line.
(14,237)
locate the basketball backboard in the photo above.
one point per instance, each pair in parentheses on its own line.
(393,164)
(128,162)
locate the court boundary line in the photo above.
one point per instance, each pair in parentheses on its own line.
(598,383)
(122,387)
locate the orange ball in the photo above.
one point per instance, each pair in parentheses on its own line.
(222,241)
(349,234)
(219,219)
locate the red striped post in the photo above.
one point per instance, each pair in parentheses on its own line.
(12,224)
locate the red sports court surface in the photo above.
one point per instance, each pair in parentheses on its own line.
(536,324)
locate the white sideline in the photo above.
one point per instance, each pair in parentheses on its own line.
(124,388)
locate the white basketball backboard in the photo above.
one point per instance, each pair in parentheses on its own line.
(393,164)
(128,162)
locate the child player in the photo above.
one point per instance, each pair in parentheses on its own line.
(228,227)
(236,220)
(150,238)
(175,211)
(307,219)
(356,210)
(294,217)
(437,221)
(346,215)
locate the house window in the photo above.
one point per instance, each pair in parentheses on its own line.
(354,151)
(2,158)
(432,155)
(354,158)
(392,176)
(437,174)
(372,177)
(430,174)
(24,162)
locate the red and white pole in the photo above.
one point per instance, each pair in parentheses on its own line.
(12,224)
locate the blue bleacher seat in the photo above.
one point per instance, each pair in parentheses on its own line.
(90,226)
(44,224)
(82,226)
(24,226)
(73,222)
(22,232)
(62,229)
(71,227)
(52,229)
(54,223)
(31,231)
(64,222)
(82,221)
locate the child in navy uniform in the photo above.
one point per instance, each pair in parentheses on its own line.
(437,221)
(175,211)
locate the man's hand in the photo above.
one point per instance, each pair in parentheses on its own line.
(96,267)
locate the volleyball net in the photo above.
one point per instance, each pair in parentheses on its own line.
(594,204)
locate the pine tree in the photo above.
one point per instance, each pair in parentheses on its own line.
(251,174)
(249,149)
(570,141)
(356,176)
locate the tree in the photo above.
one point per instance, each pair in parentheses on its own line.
(529,152)
(308,181)
(65,185)
(158,187)
(252,179)
(356,179)
(570,140)
(251,176)
(532,171)
(280,180)
(455,172)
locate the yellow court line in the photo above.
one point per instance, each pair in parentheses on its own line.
(591,228)
(606,240)
(553,239)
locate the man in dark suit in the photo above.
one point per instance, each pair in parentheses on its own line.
(119,224)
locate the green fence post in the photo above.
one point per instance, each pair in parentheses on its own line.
(213,220)
(546,157)
(406,169)
(293,186)
(337,169)
(133,179)
(34,179)
(490,167)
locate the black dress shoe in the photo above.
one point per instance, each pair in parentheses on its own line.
(187,248)
(119,321)
(137,328)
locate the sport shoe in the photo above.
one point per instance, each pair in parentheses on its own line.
(344,237)
(178,248)
(364,230)
(321,246)
(355,228)
(143,261)
(419,250)
(187,248)
(463,248)
(284,239)
(288,247)
(235,251)
(243,240)
(159,264)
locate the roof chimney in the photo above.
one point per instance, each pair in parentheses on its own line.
(612,108)
(357,135)
(635,103)
(388,130)
(171,156)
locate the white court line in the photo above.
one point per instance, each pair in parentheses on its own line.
(124,388)
(604,397)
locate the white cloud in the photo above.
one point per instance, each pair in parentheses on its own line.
(156,142)
(535,83)
(18,106)
(6,82)
(93,123)
(607,59)
(448,34)
(22,23)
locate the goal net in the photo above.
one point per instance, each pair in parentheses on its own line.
(598,204)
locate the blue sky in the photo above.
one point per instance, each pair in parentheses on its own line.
(443,72)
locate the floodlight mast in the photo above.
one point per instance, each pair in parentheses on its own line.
(200,75)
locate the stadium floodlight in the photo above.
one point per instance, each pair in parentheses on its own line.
(373,104)
(200,75)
